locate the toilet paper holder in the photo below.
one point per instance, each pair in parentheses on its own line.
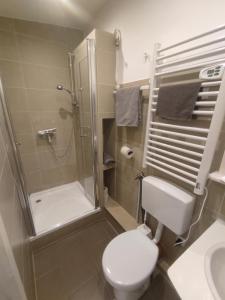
(127,152)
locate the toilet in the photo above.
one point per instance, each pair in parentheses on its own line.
(130,258)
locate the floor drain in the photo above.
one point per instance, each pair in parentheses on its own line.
(38,201)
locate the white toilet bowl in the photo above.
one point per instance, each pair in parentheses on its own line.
(128,262)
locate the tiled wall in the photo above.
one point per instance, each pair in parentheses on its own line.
(33,60)
(105,67)
(126,171)
(127,187)
(11,212)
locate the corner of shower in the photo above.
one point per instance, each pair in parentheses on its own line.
(54,207)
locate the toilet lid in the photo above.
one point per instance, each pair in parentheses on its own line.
(129,259)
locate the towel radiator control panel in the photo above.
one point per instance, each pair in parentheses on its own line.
(212,72)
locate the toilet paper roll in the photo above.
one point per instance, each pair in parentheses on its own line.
(127,152)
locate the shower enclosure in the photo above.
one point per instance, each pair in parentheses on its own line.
(57,159)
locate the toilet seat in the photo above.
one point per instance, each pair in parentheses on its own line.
(129,259)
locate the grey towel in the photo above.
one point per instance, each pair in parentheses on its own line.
(128,107)
(177,102)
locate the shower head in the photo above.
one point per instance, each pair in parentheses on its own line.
(60,87)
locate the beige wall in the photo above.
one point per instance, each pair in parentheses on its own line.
(11,212)
(146,22)
(105,70)
(33,60)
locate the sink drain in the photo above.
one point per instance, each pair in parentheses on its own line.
(38,201)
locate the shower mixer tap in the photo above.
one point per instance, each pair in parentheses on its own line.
(47,133)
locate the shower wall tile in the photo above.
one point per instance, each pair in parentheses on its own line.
(16,99)
(7,24)
(104,40)
(33,60)
(69,173)
(63,137)
(105,64)
(58,143)
(135,162)
(105,98)
(22,122)
(81,52)
(41,77)
(27,143)
(126,170)
(42,52)
(84,73)
(34,181)
(85,103)
(133,135)
(52,177)
(49,161)
(8,46)
(68,36)
(72,37)
(11,74)
(31,162)
(126,194)
(48,100)
(43,119)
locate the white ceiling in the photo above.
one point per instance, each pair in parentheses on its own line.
(69,13)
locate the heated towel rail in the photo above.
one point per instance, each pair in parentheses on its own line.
(185,150)
(142,88)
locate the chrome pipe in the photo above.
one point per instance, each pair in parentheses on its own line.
(72,79)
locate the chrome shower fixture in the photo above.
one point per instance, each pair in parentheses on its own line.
(60,87)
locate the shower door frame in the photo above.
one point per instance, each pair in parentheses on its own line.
(18,163)
(93,102)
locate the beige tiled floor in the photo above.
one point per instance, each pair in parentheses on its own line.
(70,269)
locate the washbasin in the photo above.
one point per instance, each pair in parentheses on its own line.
(215,270)
(202,266)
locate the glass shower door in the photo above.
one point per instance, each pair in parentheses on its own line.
(15,161)
(86,122)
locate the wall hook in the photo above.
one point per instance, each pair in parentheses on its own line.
(146,57)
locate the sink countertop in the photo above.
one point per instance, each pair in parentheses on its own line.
(188,272)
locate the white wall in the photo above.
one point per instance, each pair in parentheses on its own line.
(144,22)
